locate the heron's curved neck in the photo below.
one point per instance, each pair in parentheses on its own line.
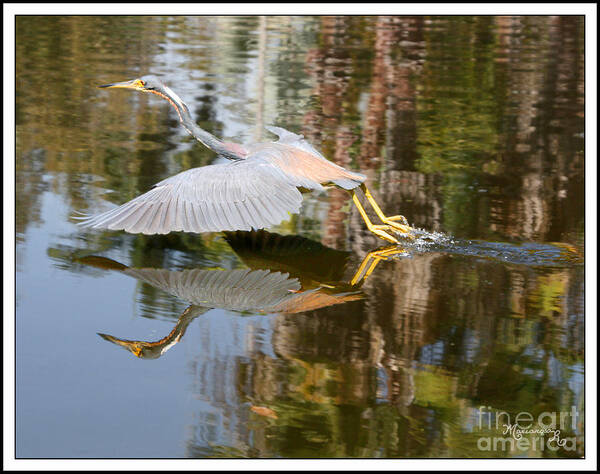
(204,137)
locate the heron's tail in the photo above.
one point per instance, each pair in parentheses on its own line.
(350,180)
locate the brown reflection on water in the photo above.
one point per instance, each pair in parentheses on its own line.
(470,126)
(402,372)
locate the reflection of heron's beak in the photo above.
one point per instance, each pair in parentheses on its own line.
(101,262)
(134,84)
(131,346)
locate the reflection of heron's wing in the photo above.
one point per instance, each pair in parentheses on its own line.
(237,290)
(302,258)
(315,299)
(237,195)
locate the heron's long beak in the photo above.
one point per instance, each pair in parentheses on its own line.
(134,84)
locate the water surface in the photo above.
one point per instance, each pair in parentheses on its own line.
(311,339)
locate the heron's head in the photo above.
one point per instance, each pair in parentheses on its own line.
(153,84)
(144,84)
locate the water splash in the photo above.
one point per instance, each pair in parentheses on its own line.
(553,254)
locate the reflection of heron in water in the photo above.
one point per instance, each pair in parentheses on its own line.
(286,274)
(257,188)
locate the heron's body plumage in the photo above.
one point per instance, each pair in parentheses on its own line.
(302,163)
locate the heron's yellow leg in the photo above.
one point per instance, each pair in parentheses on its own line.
(379,230)
(404,227)
(371,260)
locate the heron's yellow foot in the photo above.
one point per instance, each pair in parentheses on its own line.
(404,228)
(382,232)
(398,218)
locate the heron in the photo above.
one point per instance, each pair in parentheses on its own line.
(258,186)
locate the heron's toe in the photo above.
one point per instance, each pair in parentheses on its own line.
(400,218)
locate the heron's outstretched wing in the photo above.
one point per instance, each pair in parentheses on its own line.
(238,195)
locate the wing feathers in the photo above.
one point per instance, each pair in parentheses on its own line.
(232,196)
